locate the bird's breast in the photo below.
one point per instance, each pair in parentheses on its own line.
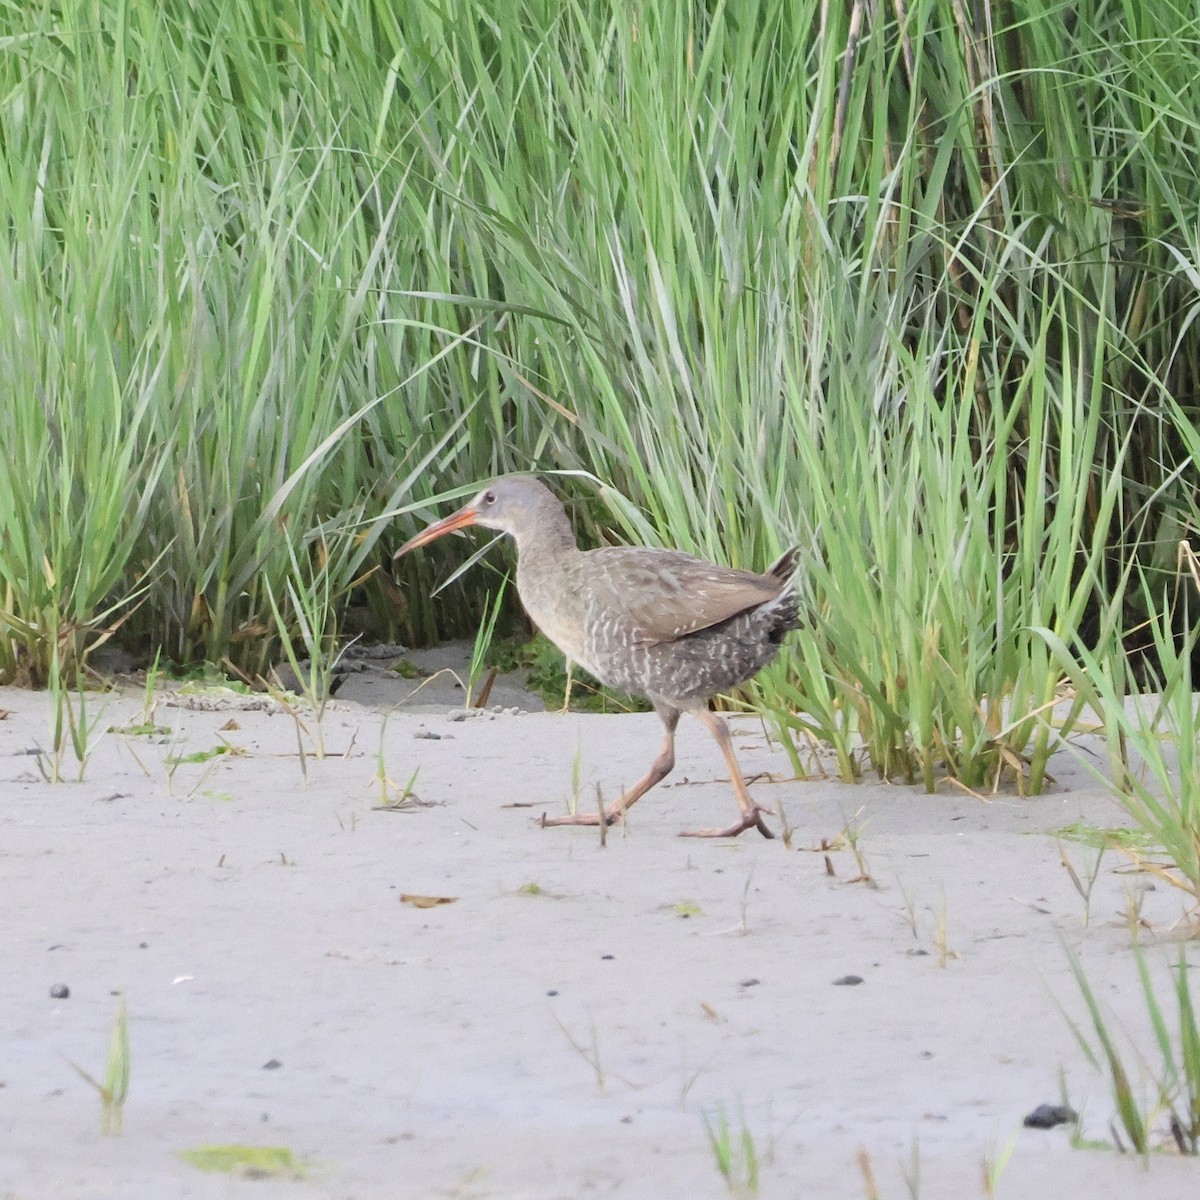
(555,604)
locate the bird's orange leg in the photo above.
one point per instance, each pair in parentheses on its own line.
(752,814)
(659,770)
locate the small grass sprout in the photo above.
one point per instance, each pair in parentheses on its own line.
(941,936)
(311,614)
(481,647)
(394,797)
(1084,884)
(72,726)
(115,1088)
(734,1151)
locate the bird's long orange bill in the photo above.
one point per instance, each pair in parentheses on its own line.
(458,520)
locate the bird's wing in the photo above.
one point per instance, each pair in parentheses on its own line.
(662,595)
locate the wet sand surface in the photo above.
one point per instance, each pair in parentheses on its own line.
(569,1022)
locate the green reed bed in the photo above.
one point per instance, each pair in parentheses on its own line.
(912,284)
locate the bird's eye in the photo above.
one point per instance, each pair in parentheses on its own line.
(489,497)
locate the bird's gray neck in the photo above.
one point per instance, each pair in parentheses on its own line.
(546,538)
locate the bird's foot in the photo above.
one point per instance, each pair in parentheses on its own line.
(750,820)
(592,819)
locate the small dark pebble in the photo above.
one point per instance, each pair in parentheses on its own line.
(749,983)
(918,953)
(272,1064)
(848,981)
(552,992)
(143,945)
(607,957)
(427,735)
(1046,1116)
(59,991)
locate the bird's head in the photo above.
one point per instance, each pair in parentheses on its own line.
(512,504)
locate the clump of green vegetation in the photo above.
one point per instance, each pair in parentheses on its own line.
(254,1162)
(206,679)
(545,673)
(1102,837)
(1153,741)
(141,729)
(202,756)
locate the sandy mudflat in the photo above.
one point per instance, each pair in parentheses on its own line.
(559,1030)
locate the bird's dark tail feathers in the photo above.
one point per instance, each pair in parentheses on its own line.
(785,566)
(786,609)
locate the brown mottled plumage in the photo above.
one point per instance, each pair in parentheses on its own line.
(656,623)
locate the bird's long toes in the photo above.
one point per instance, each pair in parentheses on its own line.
(752,820)
(762,826)
(576,819)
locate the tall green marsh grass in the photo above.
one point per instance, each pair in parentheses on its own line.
(1153,740)
(911,283)
(197,331)
(1175,1081)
